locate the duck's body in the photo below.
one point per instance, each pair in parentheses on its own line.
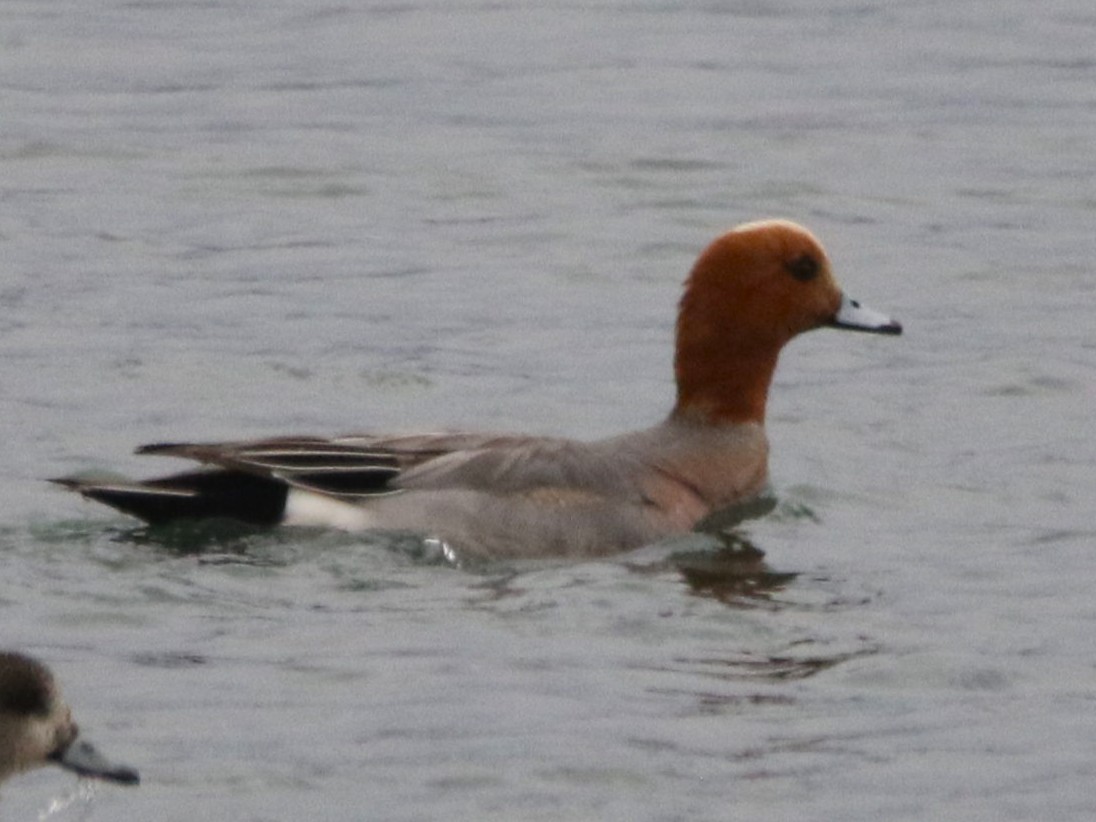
(36,726)
(490,495)
(750,292)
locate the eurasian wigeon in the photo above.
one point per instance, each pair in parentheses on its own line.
(36,726)
(500,495)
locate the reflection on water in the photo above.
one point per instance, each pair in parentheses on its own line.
(725,566)
(735,572)
(775,667)
(223,536)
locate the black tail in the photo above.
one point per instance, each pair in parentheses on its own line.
(193,495)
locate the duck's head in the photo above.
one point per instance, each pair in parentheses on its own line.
(36,726)
(750,292)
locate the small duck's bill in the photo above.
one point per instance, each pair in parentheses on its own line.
(84,759)
(856,317)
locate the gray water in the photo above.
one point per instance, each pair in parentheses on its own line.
(229,219)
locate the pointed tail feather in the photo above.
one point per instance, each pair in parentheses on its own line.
(193,495)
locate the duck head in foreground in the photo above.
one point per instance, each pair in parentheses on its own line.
(505,495)
(750,292)
(36,726)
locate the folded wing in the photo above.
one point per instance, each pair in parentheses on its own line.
(250,481)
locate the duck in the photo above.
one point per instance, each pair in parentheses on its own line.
(499,495)
(36,726)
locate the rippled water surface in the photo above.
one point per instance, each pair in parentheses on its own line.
(229,219)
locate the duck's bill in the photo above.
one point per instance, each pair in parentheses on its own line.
(856,317)
(84,759)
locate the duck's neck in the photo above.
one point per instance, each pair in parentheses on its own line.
(722,387)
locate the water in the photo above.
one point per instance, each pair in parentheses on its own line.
(228,219)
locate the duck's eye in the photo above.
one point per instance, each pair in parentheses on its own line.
(804,268)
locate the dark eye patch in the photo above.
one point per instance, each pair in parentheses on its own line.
(804,267)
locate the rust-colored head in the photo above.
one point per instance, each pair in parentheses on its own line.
(750,292)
